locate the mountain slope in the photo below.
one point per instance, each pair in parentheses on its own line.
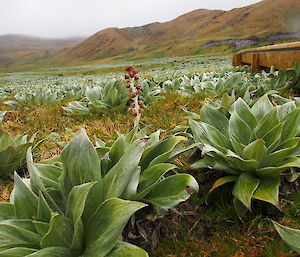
(185,34)
(268,20)
(20,50)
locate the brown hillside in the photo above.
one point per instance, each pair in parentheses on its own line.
(186,33)
(181,36)
(20,50)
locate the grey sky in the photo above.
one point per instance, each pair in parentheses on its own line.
(66,18)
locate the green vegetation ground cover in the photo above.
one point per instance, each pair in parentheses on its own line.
(181,86)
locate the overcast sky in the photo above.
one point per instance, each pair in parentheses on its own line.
(67,18)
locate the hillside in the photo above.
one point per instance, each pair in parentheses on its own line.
(187,33)
(192,33)
(20,50)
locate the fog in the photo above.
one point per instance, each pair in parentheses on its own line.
(69,18)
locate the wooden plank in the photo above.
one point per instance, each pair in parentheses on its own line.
(271,47)
(280,56)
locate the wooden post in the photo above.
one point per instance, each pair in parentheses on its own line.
(237,60)
(255,63)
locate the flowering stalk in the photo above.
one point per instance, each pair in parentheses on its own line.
(135,90)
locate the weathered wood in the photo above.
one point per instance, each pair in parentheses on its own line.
(280,56)
(255,63)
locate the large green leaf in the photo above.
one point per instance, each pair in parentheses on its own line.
(151,176)
(117,149)
(7,211)
(267,123)
(291,125)
(43,209)
(268,190)
(117,179)
(6,140)
(244,111)
(172,190)
(12,158)
(74,210)
(106,224)
(215,119)
(222,181)
(159,148)
(17,252)
(12,235)
(80,163)
(60,233)
(275,171)
(54,252)
(245,187)
(255,151)
(289,235)
(239,128)
(25,200)
(261,107)
(123,249)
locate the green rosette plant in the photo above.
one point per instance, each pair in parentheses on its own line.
(154,179)
(12,152)
(254,145)
(70,209)
(113,97)
(77,206)
(31,99)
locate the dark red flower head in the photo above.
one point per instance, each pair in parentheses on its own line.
(131,74)
(129,68)
(136,77)
(128,84)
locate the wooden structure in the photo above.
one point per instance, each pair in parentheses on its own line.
(280,56)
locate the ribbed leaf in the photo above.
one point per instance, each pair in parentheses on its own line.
(172,190)
(267,123)
(7,211)
(74,210)
(43,210)
(80,163)
(289,235)
(123,249)
(275,171)
(244,111)
(256,150)
(25,200)
(117,150)
(222,181)
(116,180)
(59,234)
(261,107)
(54,252)
(161,147)
(215,119)
(273,137)
(268,190)
(106,225)
(151,176)
(12,235)
(292,125)
(245,187)
(239,128)
(17,252)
